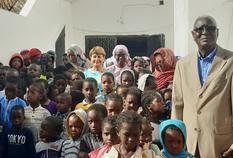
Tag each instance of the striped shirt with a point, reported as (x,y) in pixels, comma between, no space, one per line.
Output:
(70,149)
(33,119)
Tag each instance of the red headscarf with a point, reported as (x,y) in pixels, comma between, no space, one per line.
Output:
(165,76)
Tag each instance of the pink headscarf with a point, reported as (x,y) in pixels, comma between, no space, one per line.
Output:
(165,77)
(125,50)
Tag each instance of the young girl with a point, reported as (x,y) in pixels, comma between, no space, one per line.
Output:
(76,127)
(173,139)
(129,130)
(107,81)
(109,135)
(51,143)
(114,104)
(147,82)
(127,78)
(132,99)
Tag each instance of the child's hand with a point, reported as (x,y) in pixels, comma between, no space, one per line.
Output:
(147,146)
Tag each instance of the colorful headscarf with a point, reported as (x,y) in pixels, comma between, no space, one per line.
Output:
(165,77)
(83,117)
(179,124)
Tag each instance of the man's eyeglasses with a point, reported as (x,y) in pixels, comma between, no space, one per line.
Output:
(206,28)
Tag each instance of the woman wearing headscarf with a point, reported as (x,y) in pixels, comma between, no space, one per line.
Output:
(171,132)
(163,62)
(77,58)
(121,55)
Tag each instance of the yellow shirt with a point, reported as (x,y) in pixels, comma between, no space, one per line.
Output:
(83,105)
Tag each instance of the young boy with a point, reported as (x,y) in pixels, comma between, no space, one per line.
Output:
(90,89)
(63,108)
(35,113)
(61,82)
(132,100)
(93,139)
(114,104)
(107,82)
(18,141)
(10,100)
(16,61)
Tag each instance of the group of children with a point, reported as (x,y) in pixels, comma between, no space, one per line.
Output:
(67,116)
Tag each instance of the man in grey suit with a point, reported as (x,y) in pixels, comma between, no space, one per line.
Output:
(203,93)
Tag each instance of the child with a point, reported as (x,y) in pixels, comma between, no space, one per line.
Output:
(147,82)
(173,139)
(90,89)
(132,99)
(77,85)
(77,75)
(114,104)
(17,140)
(63,108)
(167,95)
(77,97)
(127,78)
(93,139)
(122,90)
(107,82)
(10,100)
(16,61)
(50,145)
(76,128)
(110,138)
(52,92)
(61,82)
(129,130)
(35,113)
(146,137)
(137,64)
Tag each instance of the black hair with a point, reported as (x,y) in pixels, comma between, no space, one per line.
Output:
(12,80)
(140,59)
(107,73)
(130,73)
(134,91)
(99,108)
(130,117)
(59,77)
(167,90)
(149,81)
(147,98)
(79,73)
(55,123)
(61,69)
(78,84)
(44,82)
(114,96)
(91,80)
(50,90)
(39,86)
(77,97)
(172,128)
(64,94)
(110,120)
(122,86)
(17,108)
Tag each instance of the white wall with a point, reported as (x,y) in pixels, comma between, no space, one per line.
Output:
(122,17)
(39,29)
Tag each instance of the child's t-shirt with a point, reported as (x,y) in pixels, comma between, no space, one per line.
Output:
(101,98)
(96,75)
(63,117)
(90,142)
(83,105)
(18,143)
(70,148)
(33,119)
(51,107)
(50,150)
(6,107)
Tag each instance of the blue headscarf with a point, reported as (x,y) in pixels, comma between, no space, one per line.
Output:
(179,124)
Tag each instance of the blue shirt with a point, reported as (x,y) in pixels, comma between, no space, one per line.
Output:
(204,65)
(96,75)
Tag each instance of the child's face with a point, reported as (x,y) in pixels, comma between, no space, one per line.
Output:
(156,106)
(94,119)
(63,104)
(46,132)
(138,66)
(109,134)
(10,91)
(75,77)
(173,141)
(150,84)
(2,75)
(131,102)
(107,83)
(75,126)
(16,63)
(17,118)
(127,80)
(113,107)
(33,95)
(89,91)
(61,85)
(34,71)
(129,135)
(146,134)
(168,96)
(97,60)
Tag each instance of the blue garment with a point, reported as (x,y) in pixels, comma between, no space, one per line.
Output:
(204,65)
(179,124)
(101,98)
(96,75)
(6,106)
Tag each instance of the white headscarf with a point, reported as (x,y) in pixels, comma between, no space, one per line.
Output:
(142,81)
